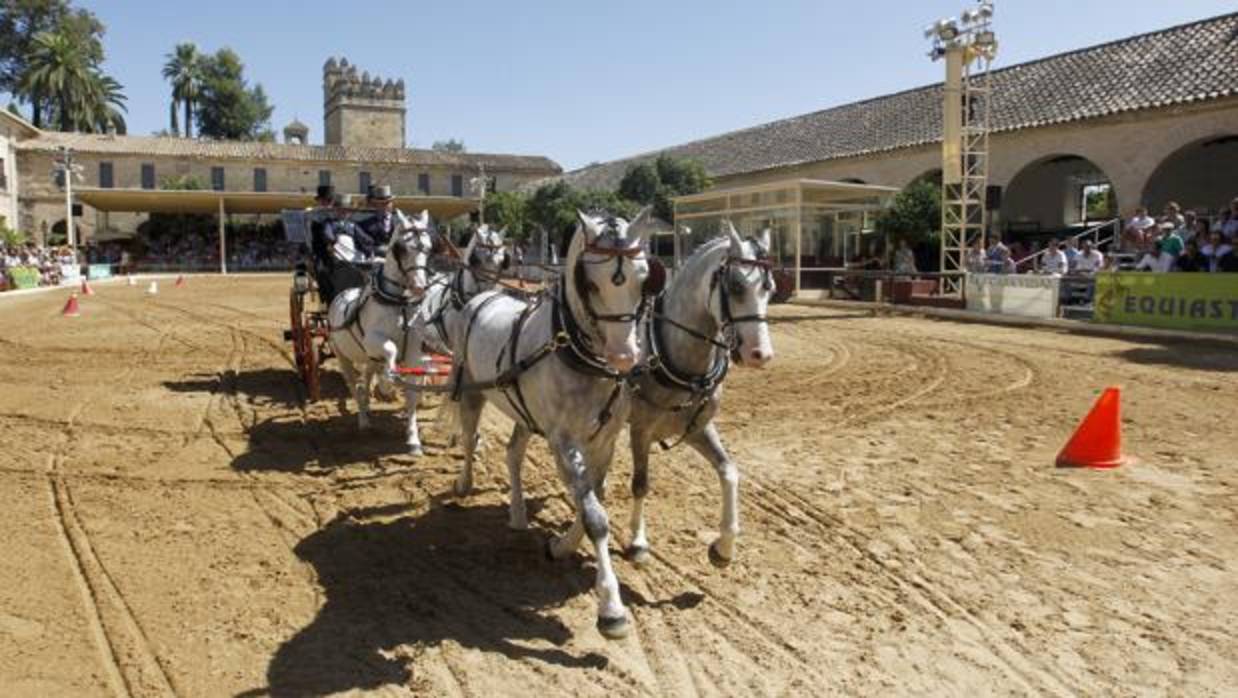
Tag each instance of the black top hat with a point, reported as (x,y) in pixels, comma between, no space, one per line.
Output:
(380,192)
(325,191)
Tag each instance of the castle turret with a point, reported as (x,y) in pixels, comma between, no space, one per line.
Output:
(362,109)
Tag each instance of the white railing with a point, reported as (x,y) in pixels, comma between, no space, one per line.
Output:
(1113,225)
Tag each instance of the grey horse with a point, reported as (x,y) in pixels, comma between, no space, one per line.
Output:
(556,365)
(714,307)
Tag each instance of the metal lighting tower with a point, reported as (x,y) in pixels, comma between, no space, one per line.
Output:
(968,46)
(479,185)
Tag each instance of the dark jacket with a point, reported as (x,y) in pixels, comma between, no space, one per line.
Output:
(1195,263)
(1228,262)
(379,232)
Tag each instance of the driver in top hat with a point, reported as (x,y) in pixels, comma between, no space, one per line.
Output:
(382,225)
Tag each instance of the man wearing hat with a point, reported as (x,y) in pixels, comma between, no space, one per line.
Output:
(382,225)
(332,223)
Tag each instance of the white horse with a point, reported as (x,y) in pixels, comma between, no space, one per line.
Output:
(556,366)
(485,258)
(367,325)
(714,306)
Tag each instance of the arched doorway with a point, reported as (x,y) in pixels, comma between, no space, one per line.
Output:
(1202,176)
(1055,195)
(58,235)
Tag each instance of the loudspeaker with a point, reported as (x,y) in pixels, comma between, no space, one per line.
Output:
(993,197)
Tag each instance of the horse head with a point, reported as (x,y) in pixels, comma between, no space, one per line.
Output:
(610,280)
(746,283)
(486,251)
(409,255)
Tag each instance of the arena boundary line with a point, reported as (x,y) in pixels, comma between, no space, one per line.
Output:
(153,276)
(1073,326)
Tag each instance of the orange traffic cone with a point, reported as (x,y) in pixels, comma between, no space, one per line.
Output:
(180,280)
(70,308)
(86,289)
(1097,443)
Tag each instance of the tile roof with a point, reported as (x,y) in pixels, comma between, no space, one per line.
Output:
(1187,63)
(252,150)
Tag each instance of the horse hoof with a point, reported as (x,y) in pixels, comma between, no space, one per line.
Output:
(639,555)
(518,524)
(461,489)
(715,557)
(415,450)
(614,628)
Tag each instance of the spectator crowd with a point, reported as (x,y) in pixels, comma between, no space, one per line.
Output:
(1176,241)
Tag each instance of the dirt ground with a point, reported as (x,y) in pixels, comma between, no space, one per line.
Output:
(177,521)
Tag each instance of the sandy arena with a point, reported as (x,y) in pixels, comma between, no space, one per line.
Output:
(176,522)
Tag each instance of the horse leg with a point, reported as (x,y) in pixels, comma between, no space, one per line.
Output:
(470,415)
(518,518)
(591,517)
(350,380)
(361,390)
(708,444)
(638,549)
(413,437)
(386,377)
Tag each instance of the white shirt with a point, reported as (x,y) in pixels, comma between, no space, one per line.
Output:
(1055,262)
(1090,262)
(1141,223)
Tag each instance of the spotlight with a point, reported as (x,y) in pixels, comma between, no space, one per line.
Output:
(948,29)
(986,9)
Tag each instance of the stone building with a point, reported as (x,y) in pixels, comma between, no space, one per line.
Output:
(364,126)
(12,129)
(1147,119)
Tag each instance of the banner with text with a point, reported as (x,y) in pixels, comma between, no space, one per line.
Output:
(1180,300)
(1013,294)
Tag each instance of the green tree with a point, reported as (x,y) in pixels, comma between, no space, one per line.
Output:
(553,207)
(640,183)
(227,108)
(62,77)
(183,69)
(509,210)
(450,145)
(658,182)
(914,213)
(10,237)
(21,21)
(182,183)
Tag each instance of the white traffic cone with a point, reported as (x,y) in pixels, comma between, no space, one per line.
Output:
(132,281)
(153,289)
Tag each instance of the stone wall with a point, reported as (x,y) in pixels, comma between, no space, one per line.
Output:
(8,179)
(42,202)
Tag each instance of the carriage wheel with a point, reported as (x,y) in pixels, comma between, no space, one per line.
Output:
(311,368)
(300,335)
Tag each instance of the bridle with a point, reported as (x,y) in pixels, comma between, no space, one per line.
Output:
(650,289)
(726,287)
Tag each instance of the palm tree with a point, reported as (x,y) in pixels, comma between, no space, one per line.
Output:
(184,70)
(63,79)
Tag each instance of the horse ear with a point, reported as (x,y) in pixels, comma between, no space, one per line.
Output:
(737,242)
(590,225)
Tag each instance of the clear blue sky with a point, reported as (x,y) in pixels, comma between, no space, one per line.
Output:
(585,80)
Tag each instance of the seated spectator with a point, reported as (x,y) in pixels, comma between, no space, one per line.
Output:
(975,259)
(1072,254)
(1054,260)
(904,258)
(1215,250)
(1192,259)
(1170,245)
(1227,261)
(998,252)
(1198,231)
(1090,259)
(1005,262)
(1135,234)
(1228,225)
(1173,216)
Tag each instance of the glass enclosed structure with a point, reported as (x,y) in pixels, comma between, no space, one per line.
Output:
(817,226)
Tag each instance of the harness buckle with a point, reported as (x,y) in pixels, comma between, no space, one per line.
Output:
(561,340)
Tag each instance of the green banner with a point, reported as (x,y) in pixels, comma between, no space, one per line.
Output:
(1180,301)
(23,277)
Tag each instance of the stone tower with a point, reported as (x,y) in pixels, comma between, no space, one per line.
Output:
(361,110)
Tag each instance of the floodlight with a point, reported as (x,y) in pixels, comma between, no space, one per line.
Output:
(970,16)
(949,30)
(986,39)
(986,9)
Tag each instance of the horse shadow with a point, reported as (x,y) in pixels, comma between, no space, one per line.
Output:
(396,586)
(267,386)
(310,444)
